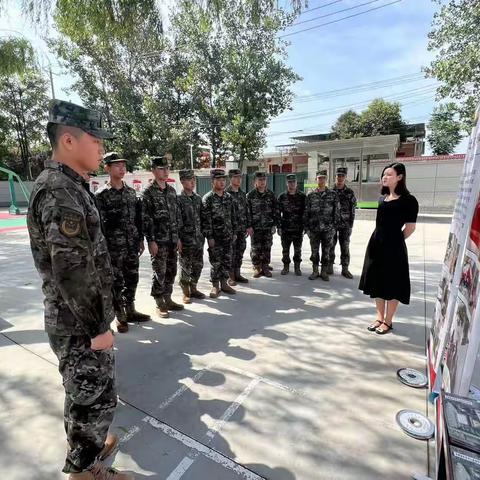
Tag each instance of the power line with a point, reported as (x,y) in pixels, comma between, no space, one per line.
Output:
(339,19)
(397,96)
(354,90)
(322,6)
(331,14)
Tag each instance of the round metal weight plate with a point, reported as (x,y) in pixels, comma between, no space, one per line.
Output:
(412,378)
(415,424)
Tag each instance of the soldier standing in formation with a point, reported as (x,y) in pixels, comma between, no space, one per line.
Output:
(291,206)
(121,214)
(191,237)
(162,222)
(71,254)
(321,216)
(218,223)
(240,201)
(264,218)
(348,202)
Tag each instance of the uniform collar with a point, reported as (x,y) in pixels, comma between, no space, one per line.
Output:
(186,194)
(66,170)
(323,191)
(108,186)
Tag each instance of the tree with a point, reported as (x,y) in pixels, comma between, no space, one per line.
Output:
(445,129)
(23,103)
(347,125)
(379,118)
(382,118)
(237,77)
(455,37)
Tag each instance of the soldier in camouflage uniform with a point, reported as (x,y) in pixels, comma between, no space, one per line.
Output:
(348,202)
(71,254)
(291,206)
(264,219)
(161,225)
(218,224)
(240,244)
(191,237)
(121,214)
(321,216)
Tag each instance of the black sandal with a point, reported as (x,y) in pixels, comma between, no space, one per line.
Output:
(383,332)
(373,327)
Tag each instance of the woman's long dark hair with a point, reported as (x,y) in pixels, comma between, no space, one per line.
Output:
(401,188)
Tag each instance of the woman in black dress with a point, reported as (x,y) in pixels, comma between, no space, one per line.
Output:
(385,274)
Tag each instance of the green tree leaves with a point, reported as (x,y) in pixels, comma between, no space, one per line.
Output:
(445,130)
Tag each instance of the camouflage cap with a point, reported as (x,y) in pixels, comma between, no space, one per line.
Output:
(342,170)
(65,113)
(217,173)
(322,173)
(186,174)
(112,157)
(159,161)
(291,177)
(234,172)
(260,175)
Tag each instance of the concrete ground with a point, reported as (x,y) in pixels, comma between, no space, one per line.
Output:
(281,381)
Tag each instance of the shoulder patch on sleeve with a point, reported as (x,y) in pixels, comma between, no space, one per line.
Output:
(70,223)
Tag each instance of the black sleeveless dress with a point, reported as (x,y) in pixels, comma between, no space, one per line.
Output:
(385,271)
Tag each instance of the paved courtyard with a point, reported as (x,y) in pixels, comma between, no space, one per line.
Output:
(281,381)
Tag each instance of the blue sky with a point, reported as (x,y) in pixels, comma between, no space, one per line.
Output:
(381,44)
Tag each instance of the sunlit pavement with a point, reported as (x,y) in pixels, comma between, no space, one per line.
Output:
(281,381)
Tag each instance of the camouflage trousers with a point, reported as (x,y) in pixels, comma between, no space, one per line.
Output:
(220,257)
(323,239)
(343,237)
(125,276)
(164,266)
(238,249)
(261,247)
(287,239)
(90,398)
(191,264)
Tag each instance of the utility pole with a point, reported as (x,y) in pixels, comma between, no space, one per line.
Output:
(51,80)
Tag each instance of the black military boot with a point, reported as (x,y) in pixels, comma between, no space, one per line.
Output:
(121,320)
(346,273)
(239,278)
(162,309)
(314,273)
(225,287)
(323,274)
(285,269)
(298,272)
(186,294)
(133,315)
(330,269)
(267,271)
(194,293)
(231,278)
(171,305)
(215,291)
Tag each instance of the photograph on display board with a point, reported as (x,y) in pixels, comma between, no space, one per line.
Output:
(457,345)
(468,287)
(473,243)
(464,465)
(453,249)
(440,311)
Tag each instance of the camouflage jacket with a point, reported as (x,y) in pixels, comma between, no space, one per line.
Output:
(121,214)
(241,210)
(161,215)
(70,253)
(263,210)
(191,212)
(322,211)
(218,216)
(348,202)
(291,207)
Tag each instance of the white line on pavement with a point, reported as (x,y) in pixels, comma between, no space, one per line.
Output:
(187,462)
